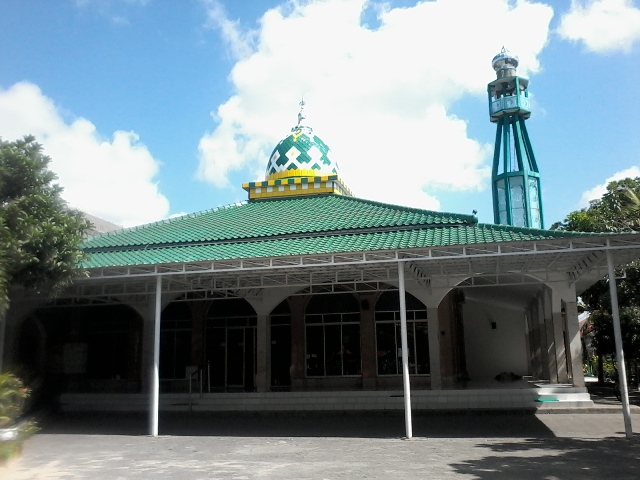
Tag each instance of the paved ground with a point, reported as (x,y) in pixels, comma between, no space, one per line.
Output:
(350,446)
(340,446)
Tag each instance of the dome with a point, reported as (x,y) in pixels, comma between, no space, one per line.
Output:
(301,154)
(505,64)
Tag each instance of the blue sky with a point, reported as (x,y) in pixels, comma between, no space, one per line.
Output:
(152,108)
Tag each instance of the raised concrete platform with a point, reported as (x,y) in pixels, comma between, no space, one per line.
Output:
(538,398)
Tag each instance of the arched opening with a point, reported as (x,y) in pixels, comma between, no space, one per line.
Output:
(93,348)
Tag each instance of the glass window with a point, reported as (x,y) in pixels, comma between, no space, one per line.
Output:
(333,336)
(502,202)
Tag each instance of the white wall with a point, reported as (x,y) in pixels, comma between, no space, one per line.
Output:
(493,351)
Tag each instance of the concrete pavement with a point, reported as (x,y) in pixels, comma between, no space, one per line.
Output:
(340,446)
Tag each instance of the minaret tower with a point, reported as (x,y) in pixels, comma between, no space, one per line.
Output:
(515,178)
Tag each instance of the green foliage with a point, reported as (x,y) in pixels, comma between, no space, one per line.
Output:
(40,236)
(617,211)
(13,394)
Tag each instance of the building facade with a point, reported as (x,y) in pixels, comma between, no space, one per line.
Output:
(304,293)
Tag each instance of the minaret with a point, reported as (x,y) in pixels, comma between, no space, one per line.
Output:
(515,178)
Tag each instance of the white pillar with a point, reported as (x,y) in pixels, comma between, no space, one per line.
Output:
(575,343)
(544,342)
(622,372)
(155,371)
(558,332)
(405,351)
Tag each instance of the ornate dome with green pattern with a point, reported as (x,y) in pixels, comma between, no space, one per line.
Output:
(301,154)
(300,165)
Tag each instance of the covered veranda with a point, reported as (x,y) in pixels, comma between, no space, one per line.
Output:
(539,279)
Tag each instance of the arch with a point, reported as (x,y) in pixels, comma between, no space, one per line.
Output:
(91,348)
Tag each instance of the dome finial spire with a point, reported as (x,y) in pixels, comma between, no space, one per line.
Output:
(301,116)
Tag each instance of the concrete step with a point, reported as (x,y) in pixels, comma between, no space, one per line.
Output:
(499,399)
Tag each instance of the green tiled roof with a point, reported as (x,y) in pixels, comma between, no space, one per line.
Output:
(278,217)
(295,226)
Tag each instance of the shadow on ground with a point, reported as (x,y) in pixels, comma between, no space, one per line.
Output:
(568,459)
(604,394)
(354,425)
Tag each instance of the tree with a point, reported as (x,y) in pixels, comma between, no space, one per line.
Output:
(617,211)
(40,236)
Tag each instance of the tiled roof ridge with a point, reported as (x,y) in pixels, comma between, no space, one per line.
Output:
(394,206)
(557,233)
(301,235)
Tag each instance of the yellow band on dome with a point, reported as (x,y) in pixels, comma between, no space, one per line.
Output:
(293,173)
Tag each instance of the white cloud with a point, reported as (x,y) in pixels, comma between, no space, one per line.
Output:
(104,177)
(603,25)
(239,42)
(380,98)
(596,192)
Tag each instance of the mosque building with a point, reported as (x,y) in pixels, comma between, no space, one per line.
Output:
(305,297)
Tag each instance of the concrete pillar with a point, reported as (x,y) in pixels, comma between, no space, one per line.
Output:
(297,306)
(368,341)
(538,314)
(536,357)
(575,343)
(545,306)
(263,340)
(560,352)
(434,347)
(199,312)
(148,318)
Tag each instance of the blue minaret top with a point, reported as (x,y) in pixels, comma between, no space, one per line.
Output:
(508,93)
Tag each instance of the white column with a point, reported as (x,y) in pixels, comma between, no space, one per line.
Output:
(405,351)
(575,343)
(622,372)
(544,342)
(155,371)
(434,348)
(558,332)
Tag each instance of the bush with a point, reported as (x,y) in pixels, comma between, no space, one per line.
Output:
(13,432)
